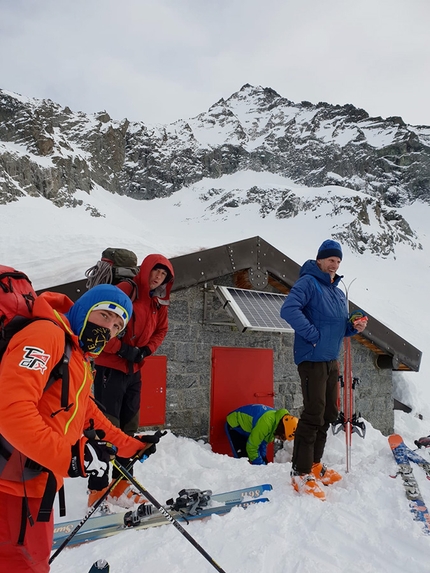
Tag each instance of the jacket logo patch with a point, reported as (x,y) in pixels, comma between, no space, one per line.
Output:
(35,359)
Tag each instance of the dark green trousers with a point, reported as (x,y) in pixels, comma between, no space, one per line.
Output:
(319,382)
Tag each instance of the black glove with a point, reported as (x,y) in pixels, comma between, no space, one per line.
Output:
(144,352)
(133,353)
(91,457)
(152,439)
(129,353)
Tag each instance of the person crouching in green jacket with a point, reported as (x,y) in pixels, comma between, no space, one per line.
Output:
(250,428)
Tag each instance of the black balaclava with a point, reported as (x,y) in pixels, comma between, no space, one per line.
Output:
(94,337)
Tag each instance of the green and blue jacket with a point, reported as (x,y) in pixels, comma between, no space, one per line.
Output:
(259,423)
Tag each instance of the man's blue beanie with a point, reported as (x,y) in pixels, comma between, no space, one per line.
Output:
(329,249)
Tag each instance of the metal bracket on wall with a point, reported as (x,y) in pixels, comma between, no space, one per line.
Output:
(206,291)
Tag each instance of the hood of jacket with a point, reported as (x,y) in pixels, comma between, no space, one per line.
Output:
(54,306)
(142,279)
(311,268)
(78,314)
(279,415)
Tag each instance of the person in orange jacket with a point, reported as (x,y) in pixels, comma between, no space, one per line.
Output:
(117,384)
(42,424)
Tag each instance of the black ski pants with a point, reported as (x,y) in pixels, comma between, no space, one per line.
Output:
(237,442)
(119,393)
(319,382)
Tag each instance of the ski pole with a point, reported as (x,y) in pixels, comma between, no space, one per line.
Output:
(98,503)
(166,514)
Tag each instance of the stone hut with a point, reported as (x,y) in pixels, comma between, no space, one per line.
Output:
(213,360)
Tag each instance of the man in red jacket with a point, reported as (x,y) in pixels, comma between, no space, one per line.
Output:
(117,384)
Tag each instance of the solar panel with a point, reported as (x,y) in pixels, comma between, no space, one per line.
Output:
(254,310)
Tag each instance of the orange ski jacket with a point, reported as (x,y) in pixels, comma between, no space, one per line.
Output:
(31,419)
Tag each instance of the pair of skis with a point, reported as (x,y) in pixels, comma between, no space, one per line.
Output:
(190,505)
(348,419)
(404,456)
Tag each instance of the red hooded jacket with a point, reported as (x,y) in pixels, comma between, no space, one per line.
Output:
(149,323)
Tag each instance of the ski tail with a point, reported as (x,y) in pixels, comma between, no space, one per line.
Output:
(395,441)
(239,495)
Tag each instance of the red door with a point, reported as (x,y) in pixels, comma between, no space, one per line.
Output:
(153,396)
(240,376)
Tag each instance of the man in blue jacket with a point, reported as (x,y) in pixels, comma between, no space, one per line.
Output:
(250,428)
(317,311)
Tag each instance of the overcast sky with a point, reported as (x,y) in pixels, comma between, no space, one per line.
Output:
(157,61)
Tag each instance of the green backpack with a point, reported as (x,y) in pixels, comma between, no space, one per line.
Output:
(115,266)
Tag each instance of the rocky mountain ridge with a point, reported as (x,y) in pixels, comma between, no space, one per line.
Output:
(50,151)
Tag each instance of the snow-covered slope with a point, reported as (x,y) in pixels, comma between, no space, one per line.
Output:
(363,526)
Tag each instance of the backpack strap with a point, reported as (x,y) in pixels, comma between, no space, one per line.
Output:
(61,370)
(131,290)
(25,514)
(62,501)
(47,502)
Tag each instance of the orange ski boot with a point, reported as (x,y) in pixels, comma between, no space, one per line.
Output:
(325,475)
(306,484)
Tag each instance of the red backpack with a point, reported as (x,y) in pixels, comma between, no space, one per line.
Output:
(17,297)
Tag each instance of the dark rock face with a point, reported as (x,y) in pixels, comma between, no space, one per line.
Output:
(49,151)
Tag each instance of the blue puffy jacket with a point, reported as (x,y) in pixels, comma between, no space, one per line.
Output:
(316,308)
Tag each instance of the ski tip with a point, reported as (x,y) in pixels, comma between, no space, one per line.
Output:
(395,440)
(100,566)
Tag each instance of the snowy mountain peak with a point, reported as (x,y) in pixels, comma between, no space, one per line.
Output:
(359,170)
